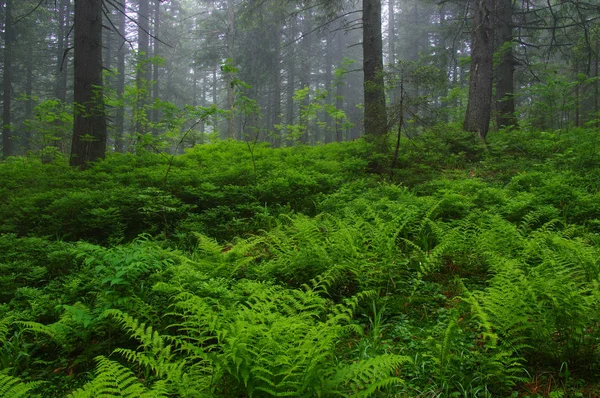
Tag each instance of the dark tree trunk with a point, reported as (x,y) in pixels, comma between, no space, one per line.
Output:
(215,99)
(7,141)
(305,67)
(375,118)
(120,114)
(29,99)
(155,66)
(89,131)
(505,87)
(291,73)
(143,67)
(597,84)
(229,75)
(477,117)
(64,10)
(339,83)
(328,130)
(277,89)
(391,32)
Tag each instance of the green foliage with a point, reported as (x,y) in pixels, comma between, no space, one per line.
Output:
(13,387)
(113,379)
(312,109)
(50,128)
(292,272)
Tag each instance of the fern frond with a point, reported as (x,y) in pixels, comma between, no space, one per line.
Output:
(366,377)
(13,387)
(114,379)
(4,327)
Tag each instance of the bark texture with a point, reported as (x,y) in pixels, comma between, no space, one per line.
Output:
(477,117)
(505,86)
(375,118)
(89,131)
(7,141)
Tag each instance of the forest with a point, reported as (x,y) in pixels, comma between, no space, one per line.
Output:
(318,198)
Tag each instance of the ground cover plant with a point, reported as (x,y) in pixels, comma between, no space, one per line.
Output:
(225,272)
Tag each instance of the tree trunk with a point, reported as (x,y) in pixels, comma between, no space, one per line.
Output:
(63,44)
(391,33)
(597,84)
(277,89)
(305,67)
(375,118)
(215,98)
(291,73)
(29,99)
(477,117)
(328,129)
(229,75)
(505,87)
(143,67)
(89,130)
(7,141)
(120,114)
(155,66)
(340,84)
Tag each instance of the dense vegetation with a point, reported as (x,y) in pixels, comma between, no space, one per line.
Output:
(238,271)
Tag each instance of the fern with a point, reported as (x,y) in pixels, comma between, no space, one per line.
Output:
(114,379)
(366,377)
(4,328)
(13,387)
(156,355)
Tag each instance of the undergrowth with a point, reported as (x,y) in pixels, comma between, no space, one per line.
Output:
(296,272)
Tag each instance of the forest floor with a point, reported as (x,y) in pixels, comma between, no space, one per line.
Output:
(239,270)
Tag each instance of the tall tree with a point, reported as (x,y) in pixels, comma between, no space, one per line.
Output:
(229,74)
(89,130)
(477,117)
(156,64)
(375,118)
(143,66)
(120,114)
(7,141)
(505,87)
(63,10)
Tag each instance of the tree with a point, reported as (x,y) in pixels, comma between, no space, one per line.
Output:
(229,74)
(143,66)
(120,114)
(89,130)
(477,117)
(375,118)
(505,87)
(7,142)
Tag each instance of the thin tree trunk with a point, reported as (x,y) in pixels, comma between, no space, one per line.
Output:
(7,141)
(89,131)
(29,99)
(63,44)
(328,129)
(597,84)
(143,67)
(375,118)
(291,74)
(215,83)
(229,75)
(477,117)
(340,84)
(203,103)
(155,65)
(391,32)
(305,66)
(277,89)
(505,87)
(120,114)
